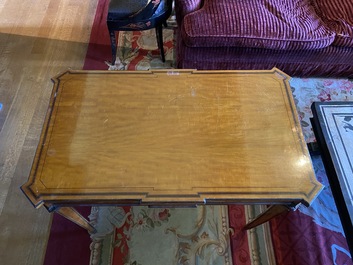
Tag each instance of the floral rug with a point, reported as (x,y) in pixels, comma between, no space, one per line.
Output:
(165,235)
(139,50)
(308,90)
(202,235)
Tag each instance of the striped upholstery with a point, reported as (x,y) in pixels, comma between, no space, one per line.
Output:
(271,24)
(338,15)
(332,61)
(184,7)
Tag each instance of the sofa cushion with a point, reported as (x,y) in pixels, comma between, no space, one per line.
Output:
(338,16)
(272,24)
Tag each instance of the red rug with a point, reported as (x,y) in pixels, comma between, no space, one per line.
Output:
(99,49)
(68,243)
(298,238)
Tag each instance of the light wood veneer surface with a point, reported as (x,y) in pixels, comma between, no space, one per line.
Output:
(181,137)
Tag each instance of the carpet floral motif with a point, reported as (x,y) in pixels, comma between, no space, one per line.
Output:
(306,91)
(139,51)
(166,236)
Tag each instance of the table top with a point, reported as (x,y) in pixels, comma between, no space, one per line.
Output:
(335,121)
(171,137)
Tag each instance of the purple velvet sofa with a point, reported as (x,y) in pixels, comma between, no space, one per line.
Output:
(300,37)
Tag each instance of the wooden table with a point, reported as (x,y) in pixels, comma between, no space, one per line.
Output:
(171,138)
(333,126)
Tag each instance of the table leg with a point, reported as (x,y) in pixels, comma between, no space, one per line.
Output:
(271,212)
(74,216)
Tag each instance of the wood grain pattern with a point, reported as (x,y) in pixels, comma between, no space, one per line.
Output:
(183,137)
(38,40)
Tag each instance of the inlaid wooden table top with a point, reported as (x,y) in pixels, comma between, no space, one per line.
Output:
(171,137)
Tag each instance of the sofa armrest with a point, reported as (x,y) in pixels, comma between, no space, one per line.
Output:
(184,7)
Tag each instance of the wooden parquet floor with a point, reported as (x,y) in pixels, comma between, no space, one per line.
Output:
(38,40)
